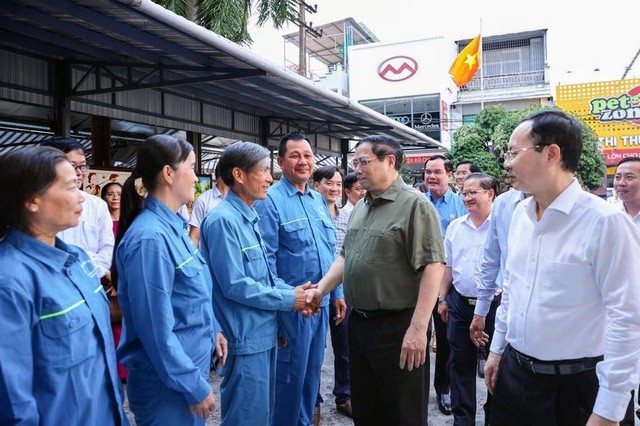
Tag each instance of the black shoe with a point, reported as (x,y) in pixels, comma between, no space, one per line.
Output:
(638,413)
(444,403)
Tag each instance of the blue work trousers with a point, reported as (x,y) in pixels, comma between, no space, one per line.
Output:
(248,389)
(298,368)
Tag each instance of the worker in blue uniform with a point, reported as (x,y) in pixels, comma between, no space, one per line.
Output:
(300,241)
(57,361)
(246,295)
(164,288)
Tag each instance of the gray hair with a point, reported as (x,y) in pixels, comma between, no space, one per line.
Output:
(243,155)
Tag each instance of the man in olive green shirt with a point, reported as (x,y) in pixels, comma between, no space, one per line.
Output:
(391,264)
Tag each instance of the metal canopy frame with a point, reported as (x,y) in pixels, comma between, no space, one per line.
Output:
(115,47)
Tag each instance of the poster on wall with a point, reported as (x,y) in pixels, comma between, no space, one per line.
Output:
(96,179)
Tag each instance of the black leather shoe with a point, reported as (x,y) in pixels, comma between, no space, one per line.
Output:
(444,403)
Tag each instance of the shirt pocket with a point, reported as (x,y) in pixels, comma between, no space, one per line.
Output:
(564,283)
(190,292)
(67,330)
(296,232)
(382,247)
(252,257)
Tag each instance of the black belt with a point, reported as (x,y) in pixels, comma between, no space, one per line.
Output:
(562,368)
(378,313)
(474,300)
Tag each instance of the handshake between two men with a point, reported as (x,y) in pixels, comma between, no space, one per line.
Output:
(309,300)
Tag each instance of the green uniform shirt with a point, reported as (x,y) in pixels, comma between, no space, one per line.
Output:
(389,241)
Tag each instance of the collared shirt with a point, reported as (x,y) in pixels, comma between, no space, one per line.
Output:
(348,207)
(635,219)
(489,275)
(204,204)
(57,361)
(164,289)
(298,234)
(389,241)
(246,294)
(340,225)
(571,291)
(463,244)
(94,233)
(449,207)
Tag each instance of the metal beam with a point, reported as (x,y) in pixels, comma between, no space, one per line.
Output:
(215,74)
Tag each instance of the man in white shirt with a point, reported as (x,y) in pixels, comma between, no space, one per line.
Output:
(353,190)
(626,183)
(463,244)
(203,205)
(94,232)
(567,332)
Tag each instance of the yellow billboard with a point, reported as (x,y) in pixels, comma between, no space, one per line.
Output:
(611,109)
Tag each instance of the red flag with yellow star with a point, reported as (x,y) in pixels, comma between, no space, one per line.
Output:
(467,63)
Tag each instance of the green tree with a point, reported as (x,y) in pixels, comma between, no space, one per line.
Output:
(485,141)
(230,18)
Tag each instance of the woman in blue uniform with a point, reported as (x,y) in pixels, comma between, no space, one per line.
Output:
(57,361)
(164,288)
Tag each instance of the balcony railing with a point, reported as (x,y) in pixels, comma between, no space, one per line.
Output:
(505,80)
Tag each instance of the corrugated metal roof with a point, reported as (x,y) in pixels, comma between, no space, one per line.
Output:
(138,46)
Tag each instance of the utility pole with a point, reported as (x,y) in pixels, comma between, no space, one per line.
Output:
(302,35)
(628,68)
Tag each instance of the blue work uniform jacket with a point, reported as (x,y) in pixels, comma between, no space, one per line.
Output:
(57,360)
(298,234)
(246,295)
(164,289)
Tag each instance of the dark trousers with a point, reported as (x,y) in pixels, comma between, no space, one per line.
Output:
(340,344)
(441,375)
(524,398)
(464,359)
(382,393)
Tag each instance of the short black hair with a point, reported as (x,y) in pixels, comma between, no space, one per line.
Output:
(63,143)
(326,172)
(291,136)
(382,146)
(349,180)
(448,164)
(552,126)
(629,160)
(473,167)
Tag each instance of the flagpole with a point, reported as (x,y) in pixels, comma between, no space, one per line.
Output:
(481,67)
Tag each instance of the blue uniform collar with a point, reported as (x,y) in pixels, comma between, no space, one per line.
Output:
(446,198)
(292,190)
(57,257)
(173,219)
(247,212)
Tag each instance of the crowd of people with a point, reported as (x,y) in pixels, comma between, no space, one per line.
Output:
(530,289)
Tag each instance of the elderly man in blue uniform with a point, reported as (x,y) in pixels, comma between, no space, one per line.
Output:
(300,241)
(437,174)
(567,332)
(246,296)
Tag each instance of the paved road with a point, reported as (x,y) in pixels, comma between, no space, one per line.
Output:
(330,417)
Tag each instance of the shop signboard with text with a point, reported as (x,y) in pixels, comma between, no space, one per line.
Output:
(612,110)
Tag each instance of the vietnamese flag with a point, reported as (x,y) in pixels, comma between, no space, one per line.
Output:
(467,63)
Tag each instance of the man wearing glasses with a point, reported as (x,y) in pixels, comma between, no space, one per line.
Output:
(464,169)
(567,332)
(392,262)
(463,245)
(94,232)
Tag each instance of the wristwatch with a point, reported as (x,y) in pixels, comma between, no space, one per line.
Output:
(442,298)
